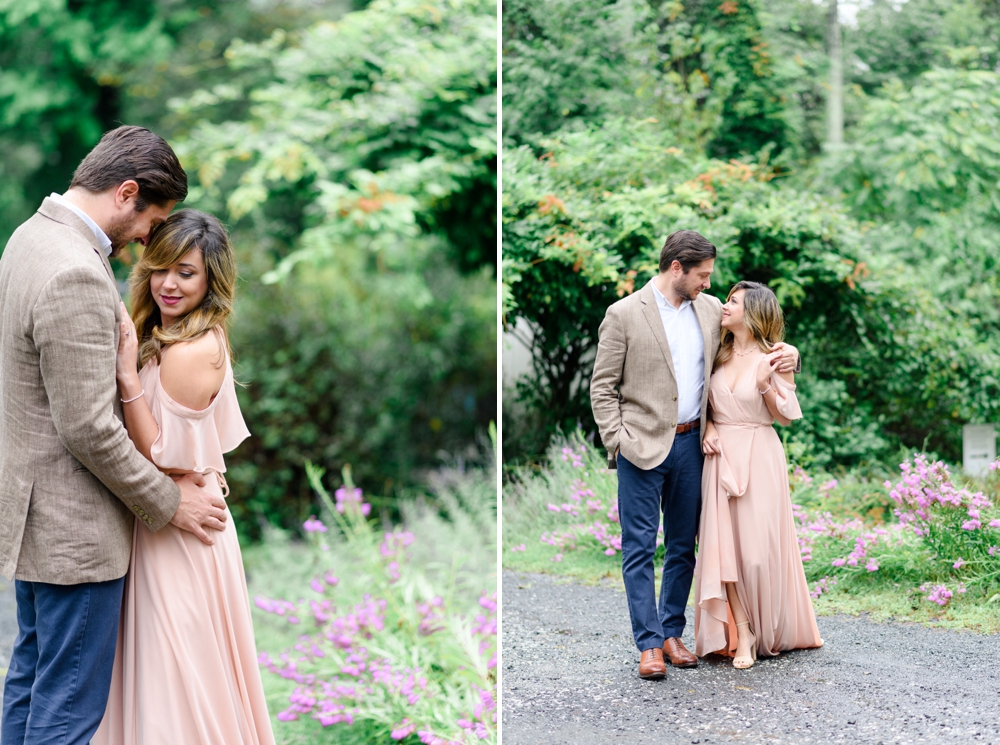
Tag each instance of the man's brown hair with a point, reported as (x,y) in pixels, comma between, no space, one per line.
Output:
(133,154)
(687,247)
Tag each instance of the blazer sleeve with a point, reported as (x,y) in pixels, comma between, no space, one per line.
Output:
(607,375)
(74,328)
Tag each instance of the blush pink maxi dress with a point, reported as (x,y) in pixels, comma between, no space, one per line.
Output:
(747,532)
(185,667)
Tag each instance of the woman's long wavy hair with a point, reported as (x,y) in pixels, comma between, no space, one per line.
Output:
(761,315)
(169,242)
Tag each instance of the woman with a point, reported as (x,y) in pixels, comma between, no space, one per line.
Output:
(186,665)
(749,577)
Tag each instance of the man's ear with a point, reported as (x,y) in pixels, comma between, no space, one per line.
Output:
(127,192)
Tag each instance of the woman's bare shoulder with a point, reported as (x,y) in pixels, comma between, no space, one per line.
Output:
(192,372)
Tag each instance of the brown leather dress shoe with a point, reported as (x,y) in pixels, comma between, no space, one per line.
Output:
(651,664)
(677,653)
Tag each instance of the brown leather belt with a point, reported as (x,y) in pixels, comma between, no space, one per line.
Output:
(688,426)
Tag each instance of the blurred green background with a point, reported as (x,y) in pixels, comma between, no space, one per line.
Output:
(624,121)
(351,149)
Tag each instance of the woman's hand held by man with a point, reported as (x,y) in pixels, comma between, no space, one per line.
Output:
(710,445)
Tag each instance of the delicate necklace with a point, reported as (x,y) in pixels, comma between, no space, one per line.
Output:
(744,354)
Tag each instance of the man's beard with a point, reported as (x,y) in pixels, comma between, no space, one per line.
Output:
(686,293)
(120,232)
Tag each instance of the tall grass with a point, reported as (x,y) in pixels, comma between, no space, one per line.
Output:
(378,633)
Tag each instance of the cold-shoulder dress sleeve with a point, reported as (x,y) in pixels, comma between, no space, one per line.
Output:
(191,439)
(785,398)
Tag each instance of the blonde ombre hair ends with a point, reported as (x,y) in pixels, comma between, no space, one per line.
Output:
(761,315)
(169,243)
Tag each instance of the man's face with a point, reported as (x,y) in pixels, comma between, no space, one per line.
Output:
(688,285)
(132,226)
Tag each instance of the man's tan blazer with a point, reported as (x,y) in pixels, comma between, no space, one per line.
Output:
(70,478)
(633,391)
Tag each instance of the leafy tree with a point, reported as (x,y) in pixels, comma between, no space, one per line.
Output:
(895,320)
(60,70)
(924,150)
(922,170)
(701,68)
(584,224)
(356,163)
(901,41)
(71,71)
(566,61)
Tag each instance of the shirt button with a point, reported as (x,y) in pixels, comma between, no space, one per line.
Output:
(674,398)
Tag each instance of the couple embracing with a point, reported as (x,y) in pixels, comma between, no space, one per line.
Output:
(113,519)
(685,391)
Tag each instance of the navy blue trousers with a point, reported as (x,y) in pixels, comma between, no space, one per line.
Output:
(57,685)
(672,489)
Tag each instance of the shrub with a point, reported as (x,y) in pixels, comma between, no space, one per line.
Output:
(393,632)
(925,533)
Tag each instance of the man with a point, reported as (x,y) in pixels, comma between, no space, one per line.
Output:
(71,482)
(649,393)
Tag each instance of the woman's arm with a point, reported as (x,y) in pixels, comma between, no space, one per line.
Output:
(766,389)
(139,423)
(191,373)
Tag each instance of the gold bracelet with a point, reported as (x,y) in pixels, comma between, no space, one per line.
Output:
(124,401)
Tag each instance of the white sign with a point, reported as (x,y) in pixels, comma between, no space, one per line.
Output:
(979,448)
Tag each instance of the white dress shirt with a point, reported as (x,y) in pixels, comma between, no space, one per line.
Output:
(687,348)
(94,228)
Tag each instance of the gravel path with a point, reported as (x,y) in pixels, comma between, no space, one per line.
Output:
(569,677)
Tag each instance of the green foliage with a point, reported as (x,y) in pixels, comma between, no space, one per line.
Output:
(340,369)
(71,71)
(900,42)
(921,169)
(376,133)
(417,598)
(356,162)
(60,68)
(568,61)
(583,225)
(927,149)
(702,68)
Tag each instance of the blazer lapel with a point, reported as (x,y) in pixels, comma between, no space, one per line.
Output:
(107,265)
(652,316)
(55,211)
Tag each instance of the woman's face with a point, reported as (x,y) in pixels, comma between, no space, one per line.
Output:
(732,311)
(180,288)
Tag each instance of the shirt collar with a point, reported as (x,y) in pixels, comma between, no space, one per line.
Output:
(102,238)
(662,301)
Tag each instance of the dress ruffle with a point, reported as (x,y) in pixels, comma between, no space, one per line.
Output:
(191,439)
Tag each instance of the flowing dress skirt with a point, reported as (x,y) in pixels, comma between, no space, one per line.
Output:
(186,664)
(747,530)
